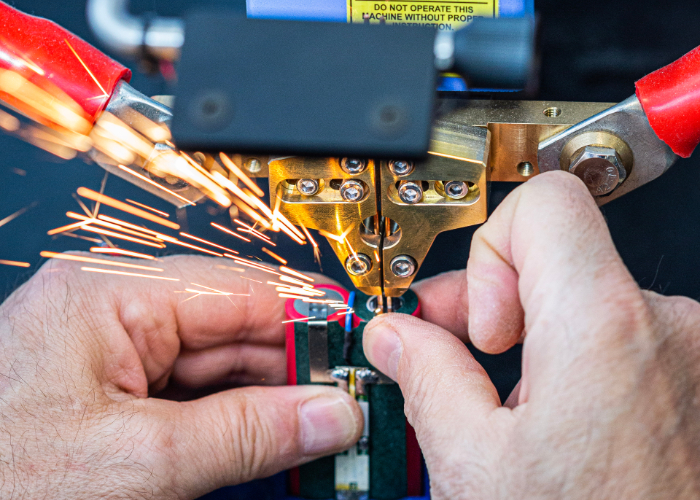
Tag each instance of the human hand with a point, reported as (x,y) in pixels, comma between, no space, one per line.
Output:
(608,405)
(80,352)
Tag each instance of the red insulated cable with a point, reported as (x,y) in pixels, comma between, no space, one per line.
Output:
(671,100)
(52,57)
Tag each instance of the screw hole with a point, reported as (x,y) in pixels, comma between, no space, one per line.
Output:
(552,112)
(526,169)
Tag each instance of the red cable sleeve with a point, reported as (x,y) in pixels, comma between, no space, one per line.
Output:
(50,57)
(671,100)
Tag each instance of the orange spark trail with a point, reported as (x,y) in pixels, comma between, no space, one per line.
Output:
(241,175)
(201,240)
(69,227)
(298,291)
(120,222)
(19,212)
(89,260)
(14,263)
(250,279)
(85,238)
(308,235)
(296,273)
(332,236)
(237,269)
(175,241)
(154,210)
(222,293)
(106,200)
(124,273)
(121,236)
(118,227)
(94,79)
(298,320)
(119,251)
(294,281)
(251,230)
(228,231)
(257,235)
(274,255)
(248,263)
(153,183)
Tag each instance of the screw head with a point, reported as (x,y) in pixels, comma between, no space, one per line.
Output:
(410,192)
(600,168)
(456,190)
(308,187)
(352,191)
(358,265)
(353,166)
(403,266)
(401,167)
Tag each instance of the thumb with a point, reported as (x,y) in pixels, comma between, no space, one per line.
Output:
(450,400)
(244,434)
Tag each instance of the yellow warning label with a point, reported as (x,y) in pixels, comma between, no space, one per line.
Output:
(442,14)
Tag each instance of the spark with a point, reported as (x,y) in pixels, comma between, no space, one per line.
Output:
(219,292)
(120,222)
(88,220)
(119,251)
(332,236)
(82,205)
(241,175)
(124,273)
(251,279)
(237,269)
(300,291)
(345,313)
(293,281)
(9,123)
(92,195)
(18,213)
(80,237)
(317,250)
(175,241)
(154,210)
(257,235)
(102,192)
(298,320)
(94,79)
(251,213)
(228,231)
(320,301)
(254,265)
(120,236)
(296,273)
(69,227)
(352,251)
(153,183)
(14,263)
(19,171)
(89,260)
(201,240)
(251,229)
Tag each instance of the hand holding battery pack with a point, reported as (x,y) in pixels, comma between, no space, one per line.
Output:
(608,403)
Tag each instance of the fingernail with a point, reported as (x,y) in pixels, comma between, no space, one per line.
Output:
(327,424)
(385,350)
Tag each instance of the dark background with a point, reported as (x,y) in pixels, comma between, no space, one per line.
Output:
(591,51)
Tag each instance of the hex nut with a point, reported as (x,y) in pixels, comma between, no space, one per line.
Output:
(600,168)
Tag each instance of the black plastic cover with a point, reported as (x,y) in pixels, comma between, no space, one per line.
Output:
(304,88)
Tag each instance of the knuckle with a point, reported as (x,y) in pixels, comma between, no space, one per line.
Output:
(251,440)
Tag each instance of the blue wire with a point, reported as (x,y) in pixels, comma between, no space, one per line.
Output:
(348,317)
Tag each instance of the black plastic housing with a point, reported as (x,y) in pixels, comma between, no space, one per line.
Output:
(304,88)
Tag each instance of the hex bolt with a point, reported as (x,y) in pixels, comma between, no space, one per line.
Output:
(600,168)
(358,265)
(400,167)
(352,191)
(308,187)
(456,190)
(403,266)
(353,166)
(410,192)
